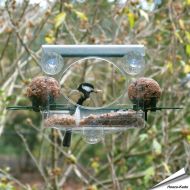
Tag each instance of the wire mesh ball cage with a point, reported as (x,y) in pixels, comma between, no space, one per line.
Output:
(93,83)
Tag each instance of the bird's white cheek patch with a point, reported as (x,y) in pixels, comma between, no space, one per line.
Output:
(87,88)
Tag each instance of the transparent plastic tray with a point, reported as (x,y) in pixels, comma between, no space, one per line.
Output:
(109,120)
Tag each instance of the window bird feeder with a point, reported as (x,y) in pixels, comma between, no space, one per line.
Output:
(93,90)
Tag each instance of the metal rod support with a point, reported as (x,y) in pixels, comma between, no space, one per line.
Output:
(93,50)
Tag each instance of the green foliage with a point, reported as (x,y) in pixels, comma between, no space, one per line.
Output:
(187,49)
(6,187)
(156,147)
(59,19)
(149,173)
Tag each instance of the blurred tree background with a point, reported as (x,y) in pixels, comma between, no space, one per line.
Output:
(135,160)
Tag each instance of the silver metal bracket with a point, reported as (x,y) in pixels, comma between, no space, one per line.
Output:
(93,50)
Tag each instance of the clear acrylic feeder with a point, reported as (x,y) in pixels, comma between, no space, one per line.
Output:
(94,80)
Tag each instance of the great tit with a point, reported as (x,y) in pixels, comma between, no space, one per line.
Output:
(83,94)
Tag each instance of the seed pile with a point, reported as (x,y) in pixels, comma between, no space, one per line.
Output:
(113,119)
(128,118)
(59,120)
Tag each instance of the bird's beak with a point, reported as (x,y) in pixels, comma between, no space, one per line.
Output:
(97,91)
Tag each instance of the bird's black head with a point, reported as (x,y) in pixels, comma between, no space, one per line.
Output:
(86,88)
